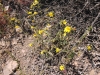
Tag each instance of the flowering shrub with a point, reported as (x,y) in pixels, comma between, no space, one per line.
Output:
(56,35)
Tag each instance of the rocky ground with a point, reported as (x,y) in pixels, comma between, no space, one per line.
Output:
(18,58)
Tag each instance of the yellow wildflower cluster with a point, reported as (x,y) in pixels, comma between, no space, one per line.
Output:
(63,22)
(57,50)
(32,14)
(17,26)
(89,47)
(67,29)
(32,27)
(35,35)
(64,34)
(35,13)
(14,19)
(35,2)
(29,13)
(62,67)
(51,14)
(43,52)
(31,44)
(40,32)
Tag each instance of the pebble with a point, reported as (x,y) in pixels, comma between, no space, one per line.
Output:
(10,66)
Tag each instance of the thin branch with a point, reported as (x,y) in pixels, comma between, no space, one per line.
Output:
(86,4)
(95,6)
(88,30)
(95,19)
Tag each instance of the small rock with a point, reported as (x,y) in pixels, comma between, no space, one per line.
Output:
(7,43)
(2,43)
(92,72)
(19,30)
(14,41)
(10,67)
(98,73)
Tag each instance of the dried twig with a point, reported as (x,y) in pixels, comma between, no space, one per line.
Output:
(87,2)
(95,6)
(89,28)
(95,19)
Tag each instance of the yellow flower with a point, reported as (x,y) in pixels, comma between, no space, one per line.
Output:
(18,29)
(57,50)
(35,13)
(64,34)
(43,52)
(63,22)
(89,47)
(31,44)
(62,67)
(29,13)
(32,27)
(67,29)
(31,6)
(35,35)
(51,14)
(17,26)
(35,2)
(41,31)
(13,19)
